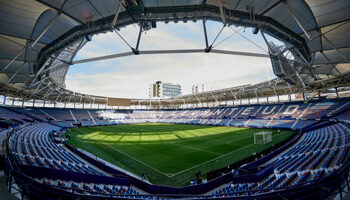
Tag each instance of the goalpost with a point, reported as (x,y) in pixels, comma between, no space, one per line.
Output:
(262,137)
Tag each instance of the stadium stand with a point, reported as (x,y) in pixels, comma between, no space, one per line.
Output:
(320,152)
(317,153)
(59,114)
(307,42)
(6,114)
(32,146)
(298,115)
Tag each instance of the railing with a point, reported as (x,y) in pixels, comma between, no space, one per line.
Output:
(318,189)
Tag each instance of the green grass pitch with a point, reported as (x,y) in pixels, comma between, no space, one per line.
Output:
(170,154)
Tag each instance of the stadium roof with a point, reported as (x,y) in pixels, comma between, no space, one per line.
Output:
(39,39)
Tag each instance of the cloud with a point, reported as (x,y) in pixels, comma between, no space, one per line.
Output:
(131,76)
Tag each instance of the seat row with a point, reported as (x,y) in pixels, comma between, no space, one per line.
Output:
(32,145)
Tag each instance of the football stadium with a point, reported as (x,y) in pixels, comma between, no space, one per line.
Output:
(174,99)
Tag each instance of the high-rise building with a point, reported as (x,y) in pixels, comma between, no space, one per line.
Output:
(161,90)
(194,89)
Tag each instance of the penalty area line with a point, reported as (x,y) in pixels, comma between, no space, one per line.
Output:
(197,149)
(212,160)
(136,160)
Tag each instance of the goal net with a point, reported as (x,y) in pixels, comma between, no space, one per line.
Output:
(262,137)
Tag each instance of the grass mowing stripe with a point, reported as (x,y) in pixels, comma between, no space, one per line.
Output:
(115,149)
(217,158)
(161,150)
(195,149)
(212,160)
(238,140)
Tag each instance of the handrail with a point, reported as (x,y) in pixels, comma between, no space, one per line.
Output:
(335,179)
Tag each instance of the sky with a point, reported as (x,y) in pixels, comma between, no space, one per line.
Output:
(130,77)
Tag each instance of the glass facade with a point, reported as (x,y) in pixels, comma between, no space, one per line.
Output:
(170,90)
(161,90)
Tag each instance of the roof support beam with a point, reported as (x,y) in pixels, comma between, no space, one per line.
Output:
(267,43)
(32,44)
(47,69)
(136,51)
(116,14)
(297,19)
(70,97)
(176,51)
(240,53)
(234,96)
(321,34)
(48,93)
(222,11)
(334,47)
(58,96)
(13,76)
(270,8)
(42,70)
(103,57)
(197,99)
(126,42)
(172,51)
(217,36)
(312,71)
(58,13)
(205,35)
(183,100)
(274,90)
(214,97)
(55,8)
(15,58)
(130,4)
(301,80)
(330,62)
(42,80)
(47,63)
(36,90)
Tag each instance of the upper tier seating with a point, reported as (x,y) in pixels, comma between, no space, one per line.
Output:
(81,115)
(297,116)
(344,115)
(38,112)
(10,115)
(59,114)
(63,124)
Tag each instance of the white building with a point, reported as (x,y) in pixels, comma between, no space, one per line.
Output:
(194,89)
(161,90)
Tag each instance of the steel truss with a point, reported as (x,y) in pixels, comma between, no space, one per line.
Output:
(44,85)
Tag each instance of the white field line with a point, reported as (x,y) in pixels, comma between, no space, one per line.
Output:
(198,149)
(237,140)
(136,159)
(172,175)
(196,138)
(212,160)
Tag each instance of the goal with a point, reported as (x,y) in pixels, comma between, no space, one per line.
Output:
(262,137)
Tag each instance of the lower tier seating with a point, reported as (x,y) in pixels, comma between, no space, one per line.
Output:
(32,145)
(318,153)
